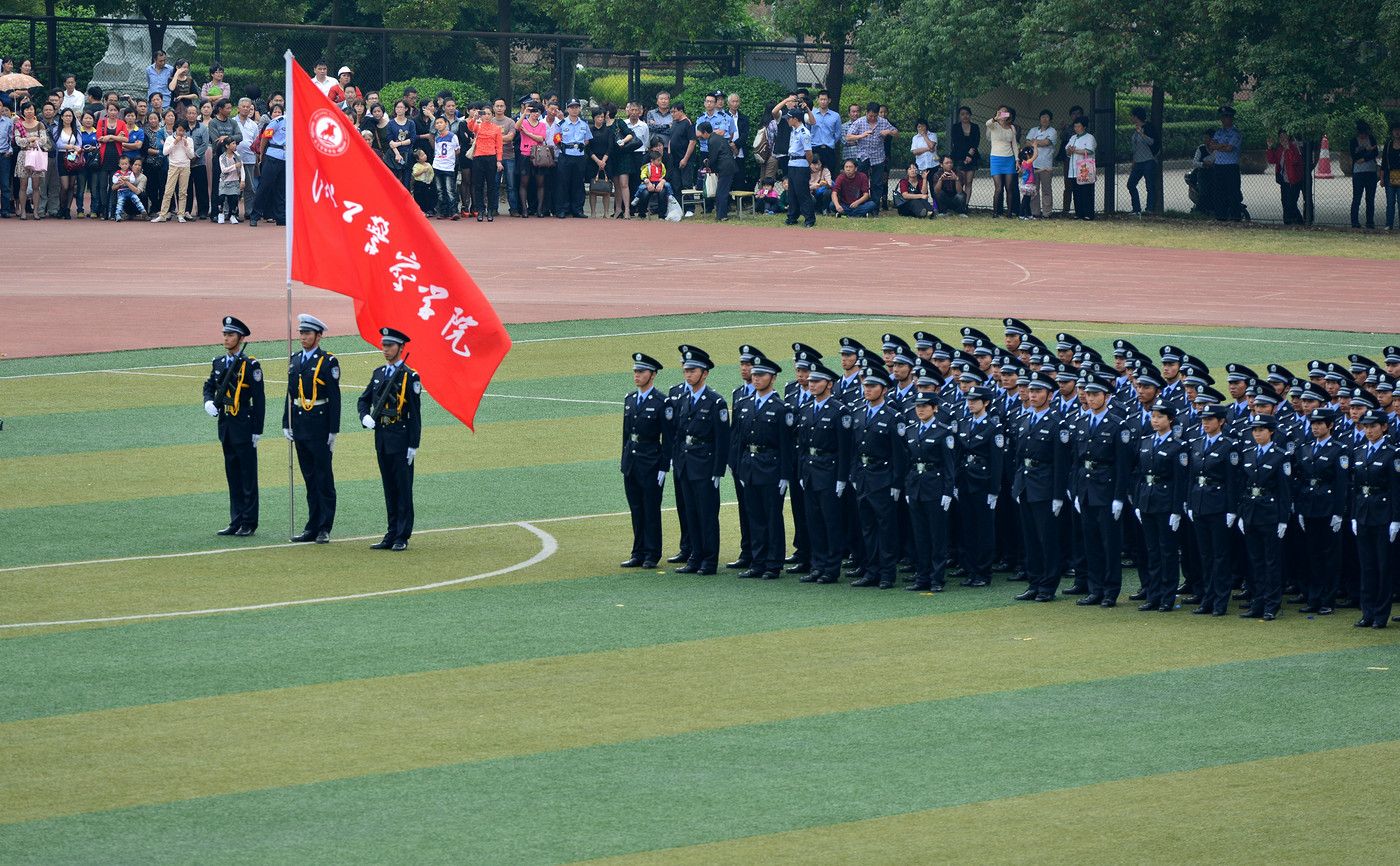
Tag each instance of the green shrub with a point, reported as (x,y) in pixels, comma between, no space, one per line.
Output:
(613,88)
(754,93)
(428,89)
(1179,140)
(80,46)
(1341,127)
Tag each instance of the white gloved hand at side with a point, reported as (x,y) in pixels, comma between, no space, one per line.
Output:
(330,440)
(1117,508)
(1137,512)
(412,452)
(1336,523)
(715,479)
(894,493)
(992,501)
(256,437)
(1174,522)
(1055,506)
(840,487)
(946,502)
(1076,505)
(1301,525)
(1229,521)
(1190,515)
(1283,529)
(287,433)
(661,479)
(211,408)
(367,422)
(1394,530)
(782,486)
(1239,524)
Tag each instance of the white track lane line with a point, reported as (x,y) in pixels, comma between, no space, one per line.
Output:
(548,546)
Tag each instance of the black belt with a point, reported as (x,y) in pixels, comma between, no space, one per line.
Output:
(1152,480)
(760,449)
(696,440)
(271,146)
(1260,493)
(972,458)
(1203,481)
(1094,464)
(817,452)
(925,467)
(637,438)
(872,464)
(1031,462)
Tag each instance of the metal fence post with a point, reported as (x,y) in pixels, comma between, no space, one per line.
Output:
(1104,122)
(1307,183)
(383,58)
(218,44)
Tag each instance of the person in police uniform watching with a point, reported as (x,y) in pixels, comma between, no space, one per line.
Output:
(763,435)
(677,444)
(736,399)
(928,490)
(981,446)
(391,407)
(1266,506)
(233,394)
(1040,486)
(1321,476)
(878,467)
(646,437)
(799,171)
(1159,502)
(1105,447)
(1212,482)
(311,420)
(702,425)
(797,394)
(1375,516)
(823,440)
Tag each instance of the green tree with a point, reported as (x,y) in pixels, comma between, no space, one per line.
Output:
(959,47)
(832,21)
(640,25)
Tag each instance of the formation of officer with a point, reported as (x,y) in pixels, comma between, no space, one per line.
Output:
(233,395)
(311,421)
(1046,460)
(391,406)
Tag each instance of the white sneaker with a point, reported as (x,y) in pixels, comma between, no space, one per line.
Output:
(233,219)
(221,219)
(180,218)
(690,213)
(159,219)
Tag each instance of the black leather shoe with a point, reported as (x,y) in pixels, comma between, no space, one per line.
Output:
(1218,612)
(227,530)
(399,546)
(810,577)
(791,559)
(687,569)
(1076,590)
(918,587)
(1312,608)
(958,572)
(1138,596)
(1195,599)
(771,575)
(634,562)
(1201,610)
(1019,577)
(1249,614)
(1241,596)
(253,223)
(1147,606)
(1166,607)
(1362,623)
(1089,599)
(1183,590)
(937,587)
(1380,623)
(1044,597)
(1347,603)
(752,572)
(305,536)
(1028,595)
(382,545)
(865,581)
(738,564)
(1108,602)
(799,568)
(650,563)
(827,578)
(906,569)
(854,572)
(1268,617)
(887,584)
(679,557)
(323,537)
(1297,599)
(1325,611)
(704,572)
(245,531)
(978,583)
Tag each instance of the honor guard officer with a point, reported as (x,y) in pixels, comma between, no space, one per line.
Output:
(702,426)
(1212,481)
(1375,510)
(673,397)
(1361,368)
(1266,505)
(981,447)
(391,406)
(847,388)
(901,374)
(574,135)
(1321,475)
(311,420)
(1015,331)
(1237,379)
(923,346)
(1105,447)
(233,393)
(646,441)
(1041,486)
(823,465)
(928,490)
(763,426)
(971,337)
(877,470)
(745,390)
(1160,499)
(797,394)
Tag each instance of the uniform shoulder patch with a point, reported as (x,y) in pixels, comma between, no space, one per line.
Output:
(724,415)
(846,421)
(670,413)
(1064,436)
(1344,461)
(790,419)
(417,387)
(1397,465)
(1287,468)
(1126,435)
(335,372)
(1234,458)
(951,442)
(1183,458)
(899,428)
(257,374)
(999,440)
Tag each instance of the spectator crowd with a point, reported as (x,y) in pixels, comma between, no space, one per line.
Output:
(186,150)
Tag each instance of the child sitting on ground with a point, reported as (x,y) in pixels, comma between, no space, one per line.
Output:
(654,187)
(125,189)
(766,198)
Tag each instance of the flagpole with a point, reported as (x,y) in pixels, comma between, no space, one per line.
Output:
(289,212)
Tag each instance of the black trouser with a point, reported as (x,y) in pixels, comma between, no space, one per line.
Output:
(314,458)
(1373,555)
(1042,540)
(396,473)
(801,540)
(1190,557)
(270,201)
(745,532)
(1363,185)
(241,470)
(1083,200)
(702,513)
(825,528)
(929,523)
(799,192)
(765,506)
(1145,170)
(854,544)
(978,536)
(1266,560)
(1225,192)
(199,183)
(1103,551)
(1213,538)
(827,155)
(571,179)
(1008,525)
(879,531)
(1320,574)
(486,190)
(1160,566)
(682,511)
(1071,525)
(644,501)
(723,182)
(1288,195)
(155,185)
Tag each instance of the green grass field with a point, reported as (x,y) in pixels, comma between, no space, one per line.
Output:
(503,693)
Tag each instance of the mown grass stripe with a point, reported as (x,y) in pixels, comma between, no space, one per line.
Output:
(1300,809)
(105,760)
(744,781)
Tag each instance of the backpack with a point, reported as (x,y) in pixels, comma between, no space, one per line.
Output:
(762,149)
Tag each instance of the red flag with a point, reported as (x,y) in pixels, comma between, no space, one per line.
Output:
(357,231)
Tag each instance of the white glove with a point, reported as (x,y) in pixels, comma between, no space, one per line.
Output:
(907,500)
(211,408)
(1301,525)
(1394,530)
(1117,508)
(992,500)
(287,433)
(1239,524)
(1137,512)
(412,452)
(1283,529)
(715,479)
(1190,515)
(946,502)
(1229,521)
(1076,505)
(782,486)
(802,483)
(256,437)
(894,493)
(1336,523)
(840,487)
(1055,506)
(955,493)
(330,440)
(738,483)
(661,479)
(367,422)
(1353,526)
(1174,522)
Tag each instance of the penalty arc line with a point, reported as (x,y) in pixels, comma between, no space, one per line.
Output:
(548,546)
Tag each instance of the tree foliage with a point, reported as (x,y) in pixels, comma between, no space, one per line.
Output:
(642,25)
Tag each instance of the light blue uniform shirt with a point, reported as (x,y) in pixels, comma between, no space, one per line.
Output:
(720,123)
(826,128)
(573,135)
(1228,136)
(798,145)
(276,146)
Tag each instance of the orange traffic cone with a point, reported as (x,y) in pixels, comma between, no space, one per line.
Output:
(1324,162)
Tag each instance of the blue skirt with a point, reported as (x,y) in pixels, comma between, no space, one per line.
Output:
(1003,165)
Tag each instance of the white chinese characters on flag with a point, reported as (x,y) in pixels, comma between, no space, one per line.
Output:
(357,231)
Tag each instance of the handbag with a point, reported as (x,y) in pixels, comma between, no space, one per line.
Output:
(35,159)
(600,185)
(1087,172)
(1394,177)
(76,160)
(711,185)
(542,156)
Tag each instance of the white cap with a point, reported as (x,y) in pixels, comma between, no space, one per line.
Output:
(308,322)
(343,70)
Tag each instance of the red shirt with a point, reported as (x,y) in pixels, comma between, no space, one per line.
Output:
(488,137)
(848,189)
(104,129)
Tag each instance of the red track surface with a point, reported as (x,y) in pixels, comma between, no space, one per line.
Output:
(90,287)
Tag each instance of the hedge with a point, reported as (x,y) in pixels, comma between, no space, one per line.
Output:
(428,89)
(613,88)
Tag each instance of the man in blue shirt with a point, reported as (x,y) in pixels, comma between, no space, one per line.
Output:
(825,125)
(1225,144)
(270,201)
(799,172)
(719,121)
(158,76)
(574,135)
